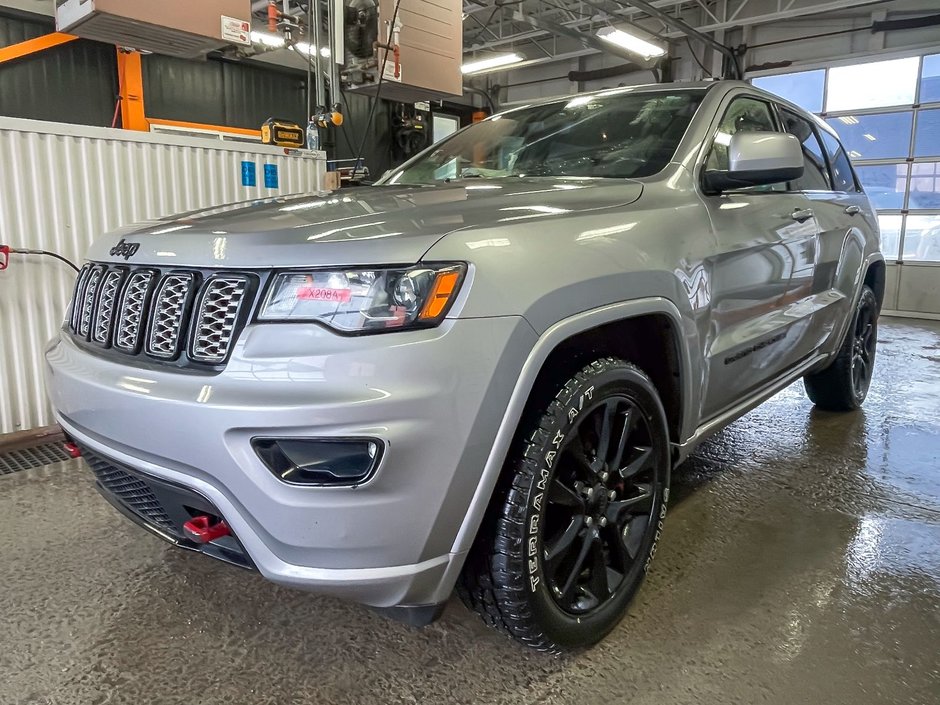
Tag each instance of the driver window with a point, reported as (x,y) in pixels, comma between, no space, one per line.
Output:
(743,115)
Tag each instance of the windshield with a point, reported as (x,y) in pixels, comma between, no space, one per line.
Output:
(627,135)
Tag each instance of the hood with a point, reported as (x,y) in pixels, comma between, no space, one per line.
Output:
(370,225)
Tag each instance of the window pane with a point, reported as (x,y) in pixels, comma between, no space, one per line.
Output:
(873,85)
(890,235)
(804,88)
(930,82)
(884,184)
(884,136)
(842,178)
(925,185)
(922,238)
(815,172)
(928,134)
(743,115)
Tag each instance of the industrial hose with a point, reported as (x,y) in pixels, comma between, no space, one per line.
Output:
(6,251)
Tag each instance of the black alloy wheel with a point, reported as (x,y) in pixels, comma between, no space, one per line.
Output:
(863,347)
(574,524)
(600,505)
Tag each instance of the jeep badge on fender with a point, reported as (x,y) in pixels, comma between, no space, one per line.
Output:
(125,249)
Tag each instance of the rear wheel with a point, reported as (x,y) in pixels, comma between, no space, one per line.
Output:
(571,532)
(844,385)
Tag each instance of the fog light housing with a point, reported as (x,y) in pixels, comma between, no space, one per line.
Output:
(321,462)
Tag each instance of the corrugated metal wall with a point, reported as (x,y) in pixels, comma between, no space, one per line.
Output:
(62,185)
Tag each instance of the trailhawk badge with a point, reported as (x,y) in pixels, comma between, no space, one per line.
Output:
(125,249)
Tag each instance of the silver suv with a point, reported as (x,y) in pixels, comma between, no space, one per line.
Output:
(481,370)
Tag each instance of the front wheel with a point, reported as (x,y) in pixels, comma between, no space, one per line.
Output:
(572,531)
(844,385)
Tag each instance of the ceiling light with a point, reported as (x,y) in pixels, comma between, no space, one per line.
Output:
(870,137)
(631,42)
(849,120)
(489,63)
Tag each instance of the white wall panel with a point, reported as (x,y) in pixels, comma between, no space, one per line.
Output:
(63,185)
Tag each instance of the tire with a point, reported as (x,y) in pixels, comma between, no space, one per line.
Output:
(569,505)
(844,385)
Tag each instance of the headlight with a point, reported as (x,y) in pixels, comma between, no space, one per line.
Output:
(365,300)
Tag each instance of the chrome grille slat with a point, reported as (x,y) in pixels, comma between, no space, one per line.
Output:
(131,310)
(88,300)
(193,315)
(217,316)
(167,318)
(104,315)
(77,297)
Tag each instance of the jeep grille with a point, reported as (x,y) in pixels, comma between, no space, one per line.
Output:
(185,316)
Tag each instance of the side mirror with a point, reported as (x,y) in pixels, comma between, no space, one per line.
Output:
(758,159)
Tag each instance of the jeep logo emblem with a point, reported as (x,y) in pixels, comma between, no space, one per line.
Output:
(125,249)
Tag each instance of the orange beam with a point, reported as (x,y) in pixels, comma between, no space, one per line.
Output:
(131,86)
(204,126)
(32,46)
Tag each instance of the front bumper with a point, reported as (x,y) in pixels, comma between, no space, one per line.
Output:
(436,397)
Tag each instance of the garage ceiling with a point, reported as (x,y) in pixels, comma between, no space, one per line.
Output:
(498,25)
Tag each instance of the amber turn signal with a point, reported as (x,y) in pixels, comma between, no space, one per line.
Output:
(444,287)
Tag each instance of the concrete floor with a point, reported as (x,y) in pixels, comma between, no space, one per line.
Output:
(800,564)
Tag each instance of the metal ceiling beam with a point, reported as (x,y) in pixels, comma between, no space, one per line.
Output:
(523,36)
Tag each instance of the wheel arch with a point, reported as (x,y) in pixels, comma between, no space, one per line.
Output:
(597,325)
(875,278)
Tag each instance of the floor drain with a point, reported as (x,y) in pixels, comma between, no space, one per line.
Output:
(26,458)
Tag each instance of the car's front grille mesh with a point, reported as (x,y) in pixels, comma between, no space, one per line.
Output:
(168,315)
(105,312)
(167,318)
(88,302)
(217,315)
(130,313)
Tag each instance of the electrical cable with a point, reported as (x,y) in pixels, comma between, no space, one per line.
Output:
(695,56)
(378,90)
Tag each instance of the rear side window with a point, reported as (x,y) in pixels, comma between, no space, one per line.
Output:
(743,115)
(815,174)
(842,177)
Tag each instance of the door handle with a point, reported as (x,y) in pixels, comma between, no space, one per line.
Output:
(801,216)
(853,210)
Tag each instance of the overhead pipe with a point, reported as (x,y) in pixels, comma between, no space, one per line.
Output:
(315,17)
(686,29)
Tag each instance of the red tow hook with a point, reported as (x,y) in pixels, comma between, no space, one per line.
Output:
(73,450)
(201,529)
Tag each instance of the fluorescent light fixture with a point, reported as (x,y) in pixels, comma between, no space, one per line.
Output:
(870,137)
(631,42)
(489,63)
(849,120)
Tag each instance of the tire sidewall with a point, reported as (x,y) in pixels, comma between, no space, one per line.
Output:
(562,628)
(865,300)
